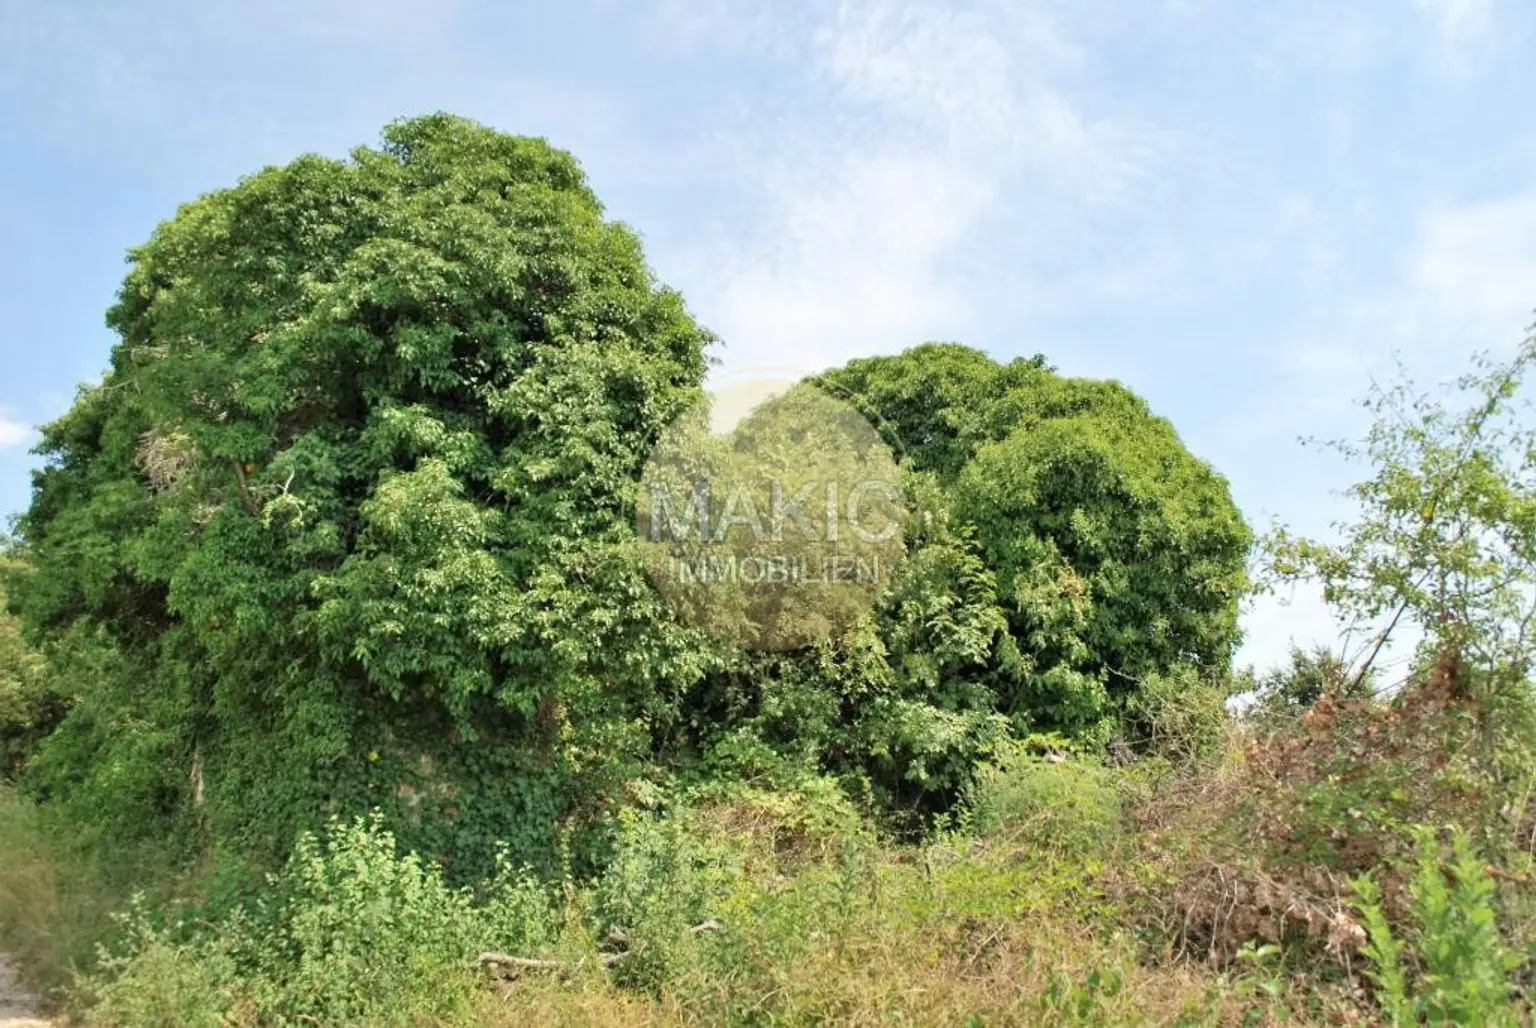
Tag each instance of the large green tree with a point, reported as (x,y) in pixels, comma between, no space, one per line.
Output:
(1070,566)
(347,520)
(1114,553)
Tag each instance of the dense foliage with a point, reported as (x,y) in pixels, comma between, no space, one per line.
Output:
(348,524)
(1116,555)
(346,521)
(26,707)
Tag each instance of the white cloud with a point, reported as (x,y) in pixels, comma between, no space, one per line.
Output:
(722,26)
(943,68)
(369,21)
(1474,266)
(865,199)
(1457,21)
(14,433)
(1464,280)
(849,267)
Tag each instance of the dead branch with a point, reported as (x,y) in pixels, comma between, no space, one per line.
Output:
(520,963)
(1494,871)
(615,936)
(512,963)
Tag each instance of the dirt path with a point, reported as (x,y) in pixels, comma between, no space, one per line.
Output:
(18,1007)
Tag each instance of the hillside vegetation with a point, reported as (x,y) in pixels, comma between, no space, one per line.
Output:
(333,689)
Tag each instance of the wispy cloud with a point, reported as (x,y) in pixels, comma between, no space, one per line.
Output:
(1473,267)
(1304,39)
(1465,34)
(14,434)
(1463,279)
(1458,21)
(920,119)
(411,22)
(1447,38)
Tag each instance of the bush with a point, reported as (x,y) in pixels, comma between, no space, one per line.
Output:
(806,819)
(1179,716)
(29,709)
(665,881)
(1052,803)
(1284,694)
(349,933)
(359,932)
(154,981)
(1346,787)
(1260,847)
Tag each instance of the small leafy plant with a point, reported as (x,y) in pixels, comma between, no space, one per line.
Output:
(1459,970)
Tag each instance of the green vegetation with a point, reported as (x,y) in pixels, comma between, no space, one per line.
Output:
(1115,554)
(1465,961)
(333,689)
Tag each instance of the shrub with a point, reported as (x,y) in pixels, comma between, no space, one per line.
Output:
(1179,716)
(357,931)
(154,981)
(1052,803)
(28,709)
(807,819)
(1282,695)
(664,881)
(1262,846)
(350,932)
(1346,787)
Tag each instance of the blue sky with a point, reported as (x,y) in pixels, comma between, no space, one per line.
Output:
(1241,210)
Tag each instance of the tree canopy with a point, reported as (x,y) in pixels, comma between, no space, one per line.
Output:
(1116,553)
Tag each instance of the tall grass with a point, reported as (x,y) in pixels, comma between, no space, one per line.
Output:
(739,907)
(697,921)
(55,906)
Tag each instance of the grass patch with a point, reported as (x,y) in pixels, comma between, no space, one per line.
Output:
(55,905)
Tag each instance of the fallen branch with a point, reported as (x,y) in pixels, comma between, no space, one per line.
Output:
(1494,871)
(621,938)
(520,963)
(512,963)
